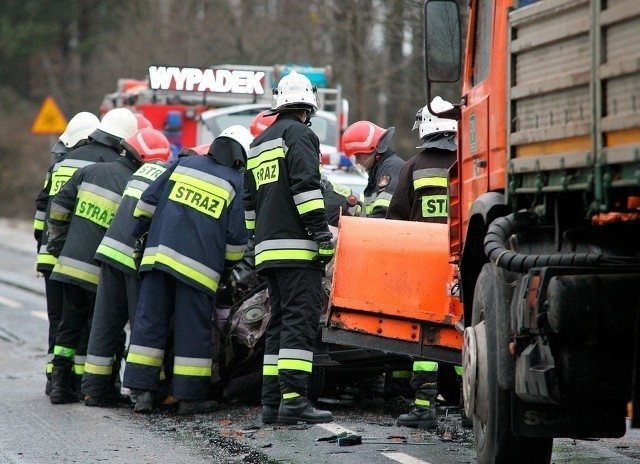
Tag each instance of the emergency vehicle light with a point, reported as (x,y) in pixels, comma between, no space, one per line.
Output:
(318,76)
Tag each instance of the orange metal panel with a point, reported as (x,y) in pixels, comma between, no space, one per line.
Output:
(397,268)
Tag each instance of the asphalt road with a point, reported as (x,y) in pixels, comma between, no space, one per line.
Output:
(32,430)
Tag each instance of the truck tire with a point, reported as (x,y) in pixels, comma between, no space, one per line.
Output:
(494,441)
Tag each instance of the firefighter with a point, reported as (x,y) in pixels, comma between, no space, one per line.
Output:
(119,284)
(421,195)
(285,210)
(191,223)
(338,199)
(367,145)
(75,135)
(79,215)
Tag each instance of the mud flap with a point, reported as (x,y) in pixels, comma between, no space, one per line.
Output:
(545,420)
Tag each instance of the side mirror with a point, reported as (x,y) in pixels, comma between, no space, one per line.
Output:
(442,41)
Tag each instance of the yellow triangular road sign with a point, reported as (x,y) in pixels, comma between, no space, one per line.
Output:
(50,119)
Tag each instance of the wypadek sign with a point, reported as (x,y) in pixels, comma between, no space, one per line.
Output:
(206,80)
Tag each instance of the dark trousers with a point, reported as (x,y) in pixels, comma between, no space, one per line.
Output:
(74,328)
(53,289)
(116,301)
(161,297)
(295,296)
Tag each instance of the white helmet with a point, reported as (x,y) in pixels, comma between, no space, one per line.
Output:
(240,134)
(119,122)
(430,124)
(79,128)
(295,92)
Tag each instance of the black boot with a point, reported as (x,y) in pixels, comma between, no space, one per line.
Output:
(269,414)
(197,406)
(62,390)
(300,409)
(145,401)
(422,418)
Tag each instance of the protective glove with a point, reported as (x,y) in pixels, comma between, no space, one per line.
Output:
(55,248)
(326,250)
(138,248)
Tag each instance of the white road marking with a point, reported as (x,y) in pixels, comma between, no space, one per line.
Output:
(334,428)
(404,458)
(40,315)
(395,456)
(9,302)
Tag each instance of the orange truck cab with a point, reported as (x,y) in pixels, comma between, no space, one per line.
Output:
(543,226)
(543,216)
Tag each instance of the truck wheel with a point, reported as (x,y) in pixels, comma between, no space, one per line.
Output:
(490,406)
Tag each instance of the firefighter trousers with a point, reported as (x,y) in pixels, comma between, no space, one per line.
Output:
(295,296)
(53,289)
(161,297)
(73,331)
(116,301)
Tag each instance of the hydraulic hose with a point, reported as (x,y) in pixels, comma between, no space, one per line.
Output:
(504,227)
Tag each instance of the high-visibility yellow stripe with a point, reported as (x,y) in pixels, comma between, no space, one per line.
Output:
(270,370)
(267,155)
(78,369)
(64,351)
(419,402)
(430,182)
(46,258)
(38,224)
(77,273)
(295,365)
(116,255)
(425,366)
(290,396)
(310,206)
(144,360)
(192,371)
(98,370)
(181,268)
(401,374)
(233,255)
(273,255)
(458,369)
(250,225)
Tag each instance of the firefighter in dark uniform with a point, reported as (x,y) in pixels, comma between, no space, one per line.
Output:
(193,220)
(285,209)
(80,215)
(74,136)
(367,145)
(421,195)
(119,284)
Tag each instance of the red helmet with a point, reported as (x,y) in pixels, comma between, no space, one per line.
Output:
(148,145)
(365,138)
(202,149)
(143,123)
(261,122)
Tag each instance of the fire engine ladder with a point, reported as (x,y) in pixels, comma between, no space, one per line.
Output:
(330,99)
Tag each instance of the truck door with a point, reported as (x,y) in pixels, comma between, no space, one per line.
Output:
(474,132)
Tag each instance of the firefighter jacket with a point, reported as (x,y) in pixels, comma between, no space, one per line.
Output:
(196,231)
(283,200)
(80,215)
(94,151)
(335,201)
(383,178)
(116,248)
(421,193)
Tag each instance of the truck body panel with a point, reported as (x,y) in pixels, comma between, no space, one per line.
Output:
(404,297)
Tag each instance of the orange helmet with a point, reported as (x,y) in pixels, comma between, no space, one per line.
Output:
(143,123)
(194,151)
(148,145)
(261,122)
(365,138)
